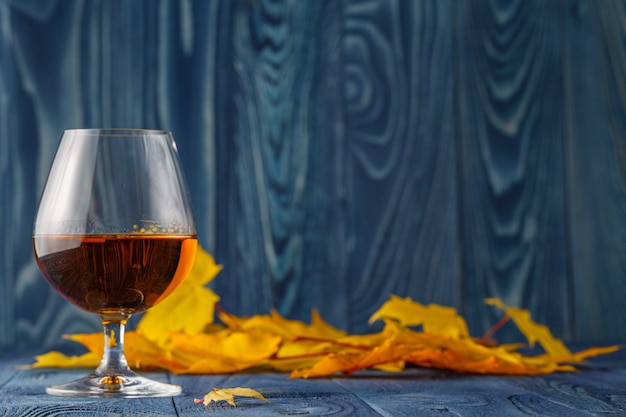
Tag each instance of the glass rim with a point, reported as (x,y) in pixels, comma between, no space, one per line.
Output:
(118,131)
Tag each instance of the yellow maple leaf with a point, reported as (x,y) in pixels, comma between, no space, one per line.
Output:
(228,395)
(433,318)
(189,308)
(222,352)
(56,359)
(594,351)
(140,352)
(276,324)
(94,342)
(534,332)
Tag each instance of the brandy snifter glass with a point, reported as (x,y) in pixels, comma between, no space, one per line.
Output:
(114,234)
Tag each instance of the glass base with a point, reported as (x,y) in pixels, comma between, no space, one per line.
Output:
(114,386)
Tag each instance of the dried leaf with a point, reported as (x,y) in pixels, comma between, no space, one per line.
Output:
(330,364)
(228,395)
(534,332)
(434,318)
(594,351)
(140,351)
(189,309)
(398,344)
(180,335)
(275,324)
(59,360)
(222,352)
(92,341)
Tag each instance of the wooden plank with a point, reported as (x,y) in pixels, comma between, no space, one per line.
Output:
(52,81)
(427,392)
(591,393)
(326,163)
(595,108)
(42,95)
(9,362)
(598,389)
(25,396)
(109,64)
(182,91)
(283,242)
(22,392)
(401,167)
(511,152)
(286,396)
(10,175)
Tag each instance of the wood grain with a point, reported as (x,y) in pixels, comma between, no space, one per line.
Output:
(595,108)
(283,209)
(512,163)
(341,151)
(24,395)
(10,175)
(402,197)
(285,396)
(596,390)
(37,113)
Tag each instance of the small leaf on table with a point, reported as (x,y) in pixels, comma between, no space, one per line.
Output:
(228,395)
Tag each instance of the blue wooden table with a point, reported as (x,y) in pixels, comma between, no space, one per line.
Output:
(599,389)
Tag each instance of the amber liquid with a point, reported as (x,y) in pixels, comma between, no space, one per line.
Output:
(114,274)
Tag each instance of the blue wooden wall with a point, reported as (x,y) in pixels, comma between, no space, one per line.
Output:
(339,151)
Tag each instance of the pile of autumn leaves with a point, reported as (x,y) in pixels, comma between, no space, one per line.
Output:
(180,335)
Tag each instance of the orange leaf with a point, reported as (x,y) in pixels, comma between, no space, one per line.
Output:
(329,365)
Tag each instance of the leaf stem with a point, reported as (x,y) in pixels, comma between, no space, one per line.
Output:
(484,340)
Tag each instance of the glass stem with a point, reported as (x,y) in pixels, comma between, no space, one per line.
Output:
(113,359)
